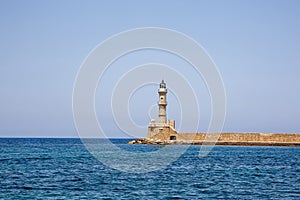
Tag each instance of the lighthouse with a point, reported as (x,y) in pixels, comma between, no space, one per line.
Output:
(163,128)
(162,103)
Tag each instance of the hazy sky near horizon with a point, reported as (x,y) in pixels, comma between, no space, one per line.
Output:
(255,44)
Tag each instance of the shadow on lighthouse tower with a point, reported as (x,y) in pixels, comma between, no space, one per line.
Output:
(162,129)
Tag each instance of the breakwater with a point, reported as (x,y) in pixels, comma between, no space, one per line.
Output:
(239,139)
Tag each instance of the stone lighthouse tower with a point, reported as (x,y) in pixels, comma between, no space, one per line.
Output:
(162,103)
(162,129)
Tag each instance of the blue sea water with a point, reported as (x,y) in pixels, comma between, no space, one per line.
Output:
(64,169)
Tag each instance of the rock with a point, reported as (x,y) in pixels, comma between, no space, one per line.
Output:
(131,142)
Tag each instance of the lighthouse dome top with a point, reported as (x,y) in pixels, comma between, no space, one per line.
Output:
(162,84)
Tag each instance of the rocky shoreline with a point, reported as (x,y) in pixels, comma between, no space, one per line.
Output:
(199,142)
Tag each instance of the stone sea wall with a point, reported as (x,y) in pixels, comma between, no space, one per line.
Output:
(244,139)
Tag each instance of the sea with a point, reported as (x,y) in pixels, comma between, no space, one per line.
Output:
(65,169)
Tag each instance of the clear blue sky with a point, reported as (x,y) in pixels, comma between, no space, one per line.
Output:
(255,44)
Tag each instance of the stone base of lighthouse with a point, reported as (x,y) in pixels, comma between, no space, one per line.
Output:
(158,131)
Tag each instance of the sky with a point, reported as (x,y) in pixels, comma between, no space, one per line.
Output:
(254,44)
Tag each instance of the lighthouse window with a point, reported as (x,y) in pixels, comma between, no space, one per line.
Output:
(161,98)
